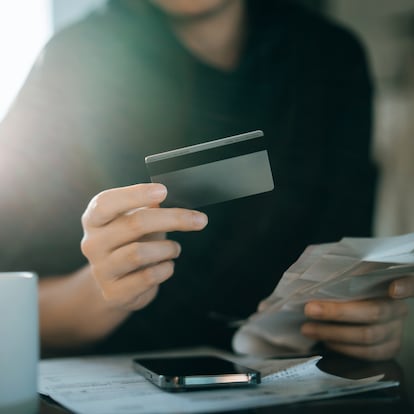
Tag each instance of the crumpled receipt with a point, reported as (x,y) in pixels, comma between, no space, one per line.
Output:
(351,269)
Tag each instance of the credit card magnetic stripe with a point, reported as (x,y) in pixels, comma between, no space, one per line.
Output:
(222,152)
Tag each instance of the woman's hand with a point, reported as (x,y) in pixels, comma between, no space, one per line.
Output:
(124,241)
(367,329)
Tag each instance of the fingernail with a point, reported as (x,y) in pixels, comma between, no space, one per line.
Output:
(314,309)
(158,191)
(398,290)
(178,249)
(200,219)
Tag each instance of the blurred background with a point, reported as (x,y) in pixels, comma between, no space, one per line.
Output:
(385,27)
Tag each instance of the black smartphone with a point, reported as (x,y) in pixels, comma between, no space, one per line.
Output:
(195,372)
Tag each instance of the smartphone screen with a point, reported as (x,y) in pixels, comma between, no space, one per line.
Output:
(195,372)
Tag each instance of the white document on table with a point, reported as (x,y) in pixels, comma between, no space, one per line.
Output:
(351,269)
(107,385)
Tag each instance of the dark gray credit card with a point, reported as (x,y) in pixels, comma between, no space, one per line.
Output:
(212,172)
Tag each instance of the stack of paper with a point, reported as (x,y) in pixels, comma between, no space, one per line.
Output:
(107,385)
(351,269)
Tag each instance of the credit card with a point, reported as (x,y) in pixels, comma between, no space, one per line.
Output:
(213,172)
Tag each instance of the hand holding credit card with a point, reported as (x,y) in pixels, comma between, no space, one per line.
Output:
(214,171)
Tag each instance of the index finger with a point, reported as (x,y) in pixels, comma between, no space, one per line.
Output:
(363,311)
(109,204)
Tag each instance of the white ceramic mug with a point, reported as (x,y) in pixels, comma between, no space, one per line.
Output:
(19,343)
